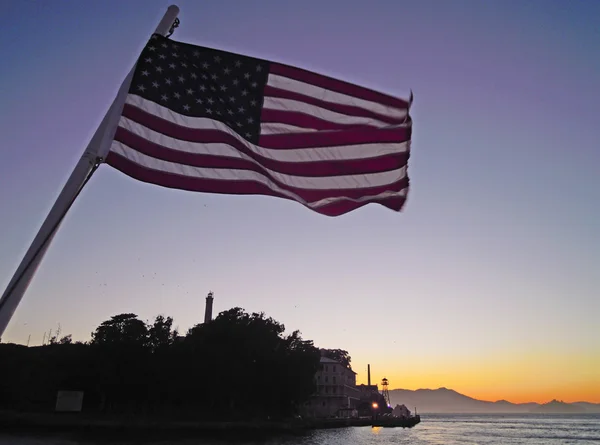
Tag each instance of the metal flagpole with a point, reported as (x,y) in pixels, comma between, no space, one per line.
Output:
(88,163)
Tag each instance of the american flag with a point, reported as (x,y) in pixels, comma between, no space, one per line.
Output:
(206,120)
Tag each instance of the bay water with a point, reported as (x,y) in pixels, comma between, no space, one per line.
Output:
(526,429)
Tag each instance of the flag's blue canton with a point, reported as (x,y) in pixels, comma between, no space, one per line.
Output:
(203,82)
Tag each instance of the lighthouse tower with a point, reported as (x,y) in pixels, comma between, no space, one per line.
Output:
(209,307)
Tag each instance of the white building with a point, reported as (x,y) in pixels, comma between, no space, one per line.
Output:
(337,395)
(401,411)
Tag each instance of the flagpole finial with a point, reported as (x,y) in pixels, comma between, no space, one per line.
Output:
(167,24)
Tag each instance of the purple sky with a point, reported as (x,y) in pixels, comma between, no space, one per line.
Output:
(498,248)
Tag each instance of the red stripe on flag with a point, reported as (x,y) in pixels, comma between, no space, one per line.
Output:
(354,136)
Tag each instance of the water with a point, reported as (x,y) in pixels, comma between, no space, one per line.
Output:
(434,429)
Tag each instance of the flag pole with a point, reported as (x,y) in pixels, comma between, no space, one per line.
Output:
(92,157)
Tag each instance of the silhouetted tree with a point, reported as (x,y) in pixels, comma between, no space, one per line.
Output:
(339,355)
(121,329)
(236,366)
(65,340)
(261,371)
(161,334)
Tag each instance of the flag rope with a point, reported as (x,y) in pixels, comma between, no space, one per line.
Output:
(172,29)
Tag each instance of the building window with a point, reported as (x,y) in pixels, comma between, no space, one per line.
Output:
(326,368)
(335,389)
(326,379)
(334,380)
(323,403)
(326,389)
(333,368)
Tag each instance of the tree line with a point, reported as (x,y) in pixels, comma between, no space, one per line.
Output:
(240,365)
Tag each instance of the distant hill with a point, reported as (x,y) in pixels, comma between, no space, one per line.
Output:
(588,407)
(443,400)
(557,406)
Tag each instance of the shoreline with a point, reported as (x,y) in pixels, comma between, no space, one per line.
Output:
(19,422)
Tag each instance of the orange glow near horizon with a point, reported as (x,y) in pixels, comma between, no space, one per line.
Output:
(519,379)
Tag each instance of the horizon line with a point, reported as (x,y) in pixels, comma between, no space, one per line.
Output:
(493,401)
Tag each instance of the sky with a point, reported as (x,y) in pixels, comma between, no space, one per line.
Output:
(488,282)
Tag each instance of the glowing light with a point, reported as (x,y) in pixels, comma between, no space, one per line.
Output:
(375,405)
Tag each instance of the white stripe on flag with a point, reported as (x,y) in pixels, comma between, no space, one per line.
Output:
(277,128)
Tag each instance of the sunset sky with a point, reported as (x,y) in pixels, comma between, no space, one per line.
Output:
(487,283)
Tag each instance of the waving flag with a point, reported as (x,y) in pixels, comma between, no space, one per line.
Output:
(205,120)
